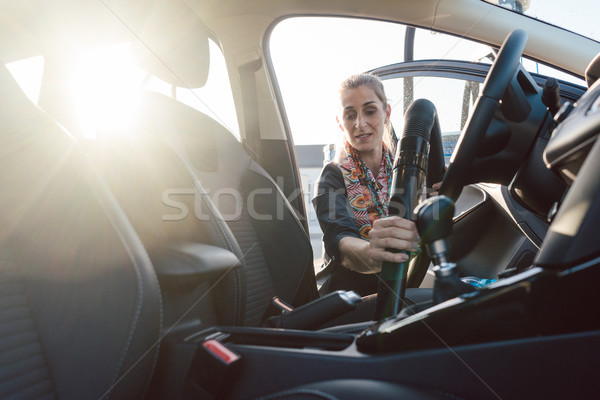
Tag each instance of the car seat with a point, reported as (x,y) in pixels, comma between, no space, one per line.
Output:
(80,305)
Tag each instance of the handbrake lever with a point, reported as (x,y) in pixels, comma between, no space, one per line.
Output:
(313,314)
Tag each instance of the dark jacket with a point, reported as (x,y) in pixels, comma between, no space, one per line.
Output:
(337,221)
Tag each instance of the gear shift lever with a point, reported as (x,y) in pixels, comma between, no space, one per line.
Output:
(434,222)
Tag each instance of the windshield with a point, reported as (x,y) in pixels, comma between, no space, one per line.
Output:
(577,16)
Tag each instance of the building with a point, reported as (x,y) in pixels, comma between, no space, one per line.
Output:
(311,159)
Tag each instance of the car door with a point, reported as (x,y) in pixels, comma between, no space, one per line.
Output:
(489,224)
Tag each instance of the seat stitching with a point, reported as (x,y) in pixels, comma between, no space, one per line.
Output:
(225,240)
(216,221)
(235,297)
(140,288)
(252,166)
(160,324)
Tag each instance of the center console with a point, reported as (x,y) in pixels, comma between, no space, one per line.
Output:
(532,325)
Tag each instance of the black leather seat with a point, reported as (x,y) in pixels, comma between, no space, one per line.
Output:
(184,156)
(261,227)
(80,305)
(182,177)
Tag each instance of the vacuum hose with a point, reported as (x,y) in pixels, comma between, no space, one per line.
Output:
(408,181)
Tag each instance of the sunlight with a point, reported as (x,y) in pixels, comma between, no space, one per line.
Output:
(28,74)
(105,89)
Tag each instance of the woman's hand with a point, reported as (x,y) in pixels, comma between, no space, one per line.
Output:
(354,253)
(392,233)
(436,189)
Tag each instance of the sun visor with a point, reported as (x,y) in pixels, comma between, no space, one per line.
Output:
(173,45)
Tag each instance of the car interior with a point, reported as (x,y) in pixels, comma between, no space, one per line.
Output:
(167,259)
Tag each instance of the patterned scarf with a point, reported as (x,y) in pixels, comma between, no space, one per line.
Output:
(369,197)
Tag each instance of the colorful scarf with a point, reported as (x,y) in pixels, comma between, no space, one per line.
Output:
(368,196)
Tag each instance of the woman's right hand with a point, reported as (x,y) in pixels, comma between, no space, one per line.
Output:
(392,233)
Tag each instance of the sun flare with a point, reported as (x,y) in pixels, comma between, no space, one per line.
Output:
(105,88)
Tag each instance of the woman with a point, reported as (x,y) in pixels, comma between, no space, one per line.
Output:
(352,193)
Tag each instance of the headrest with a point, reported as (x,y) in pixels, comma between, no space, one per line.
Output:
(173,44)
(592,72)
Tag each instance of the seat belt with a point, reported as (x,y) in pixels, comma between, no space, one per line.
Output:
(247,68)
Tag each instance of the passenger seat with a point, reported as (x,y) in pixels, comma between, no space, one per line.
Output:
(80,305)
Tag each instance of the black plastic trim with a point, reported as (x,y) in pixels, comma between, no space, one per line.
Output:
(184,265)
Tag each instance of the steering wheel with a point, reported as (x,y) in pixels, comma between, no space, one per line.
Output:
(498,79)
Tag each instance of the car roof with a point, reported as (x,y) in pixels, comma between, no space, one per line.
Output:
(33,27)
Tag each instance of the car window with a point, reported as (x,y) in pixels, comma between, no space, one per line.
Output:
(567,15)
(453,98)
(105,85)
(215,97)
(539,68)
(431,45)
(28,73)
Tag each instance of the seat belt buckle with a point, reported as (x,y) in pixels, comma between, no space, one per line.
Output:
(276,312)
(281,305)
(212,370)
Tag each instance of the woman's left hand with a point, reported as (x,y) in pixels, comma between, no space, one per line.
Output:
(392,233)
(435,189)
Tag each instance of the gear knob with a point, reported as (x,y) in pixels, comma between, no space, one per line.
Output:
(434,222)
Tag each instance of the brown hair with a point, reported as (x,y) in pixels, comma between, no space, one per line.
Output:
(371,81)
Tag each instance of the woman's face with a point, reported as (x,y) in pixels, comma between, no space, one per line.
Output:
(363,118)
